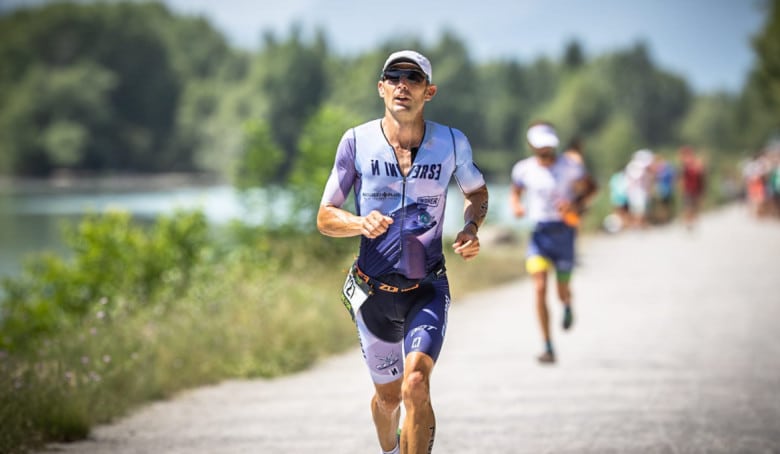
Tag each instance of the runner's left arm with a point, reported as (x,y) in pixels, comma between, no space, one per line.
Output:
(472,183)
(475,209)
(586,189)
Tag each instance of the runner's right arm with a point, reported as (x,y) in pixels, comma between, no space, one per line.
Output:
(334,221)
(339,223)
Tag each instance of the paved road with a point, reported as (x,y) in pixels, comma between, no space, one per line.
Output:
(675,350)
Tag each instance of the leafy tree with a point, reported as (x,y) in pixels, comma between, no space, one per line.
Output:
(211,116)
(500,88)
(541,80)
(294,84)
(261,157)
(50,121)
(759,106)
(573,56)
(612,146)
(711,123)
(454,73)
(653,99)
(64,142)
(317,148)
(168,93)
(352,84)
(148,53)
(767,47)
(582,106)
(756,116)
(218,96)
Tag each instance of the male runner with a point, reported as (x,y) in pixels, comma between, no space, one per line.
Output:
(399,167)
(550,184)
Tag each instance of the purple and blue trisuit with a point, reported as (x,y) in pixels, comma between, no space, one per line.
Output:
(406,310)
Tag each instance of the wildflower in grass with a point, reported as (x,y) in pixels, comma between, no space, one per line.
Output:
(84,360)
(106,359)
(100,315)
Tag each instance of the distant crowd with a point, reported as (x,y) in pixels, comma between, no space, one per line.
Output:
(644,191)
(761,176)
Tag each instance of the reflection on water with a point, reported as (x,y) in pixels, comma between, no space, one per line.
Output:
(31,222)
(24,234)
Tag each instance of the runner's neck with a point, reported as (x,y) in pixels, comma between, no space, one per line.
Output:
(403,136)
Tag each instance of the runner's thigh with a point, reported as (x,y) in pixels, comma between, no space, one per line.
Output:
(426,323)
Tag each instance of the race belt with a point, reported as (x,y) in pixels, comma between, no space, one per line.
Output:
(384,287)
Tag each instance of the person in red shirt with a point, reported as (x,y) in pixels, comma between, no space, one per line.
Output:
(693,180)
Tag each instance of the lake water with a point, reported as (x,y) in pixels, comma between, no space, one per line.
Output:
(30,221)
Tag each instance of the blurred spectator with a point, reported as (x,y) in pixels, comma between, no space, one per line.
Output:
(754,173)
(640,180)
(761,175)
(693,181)
(618,197)
(774,180)
(663,190)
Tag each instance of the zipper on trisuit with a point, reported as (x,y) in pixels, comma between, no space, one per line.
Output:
(403,191)
(403,214)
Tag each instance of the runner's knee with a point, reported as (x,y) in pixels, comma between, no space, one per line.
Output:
(388,401)
(540,281)
(416,391)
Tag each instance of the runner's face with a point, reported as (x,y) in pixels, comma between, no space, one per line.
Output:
(546,152)
(407,93)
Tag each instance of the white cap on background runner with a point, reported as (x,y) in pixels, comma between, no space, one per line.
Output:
(410,56)
(644,157)
(542,136)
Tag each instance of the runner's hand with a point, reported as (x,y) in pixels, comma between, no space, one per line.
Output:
(466,245)
(564,206)
(375,224)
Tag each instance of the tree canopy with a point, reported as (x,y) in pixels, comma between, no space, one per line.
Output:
(131,87)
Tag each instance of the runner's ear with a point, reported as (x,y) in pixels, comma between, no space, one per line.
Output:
(430,91)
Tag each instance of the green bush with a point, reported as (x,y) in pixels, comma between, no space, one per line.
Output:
(137,313)
(111,259)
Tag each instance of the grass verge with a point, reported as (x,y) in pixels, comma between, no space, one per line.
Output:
(235,320)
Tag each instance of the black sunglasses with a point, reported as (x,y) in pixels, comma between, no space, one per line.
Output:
(412,75)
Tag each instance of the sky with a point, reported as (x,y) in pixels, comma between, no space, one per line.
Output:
(708,42)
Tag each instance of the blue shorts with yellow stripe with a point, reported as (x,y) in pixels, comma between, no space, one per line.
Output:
(551,246)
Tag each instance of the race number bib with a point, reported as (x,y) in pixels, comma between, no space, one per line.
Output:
(354,293)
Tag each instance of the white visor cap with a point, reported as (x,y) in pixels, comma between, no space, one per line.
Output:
(542,136)
(644,157)
(410,56)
